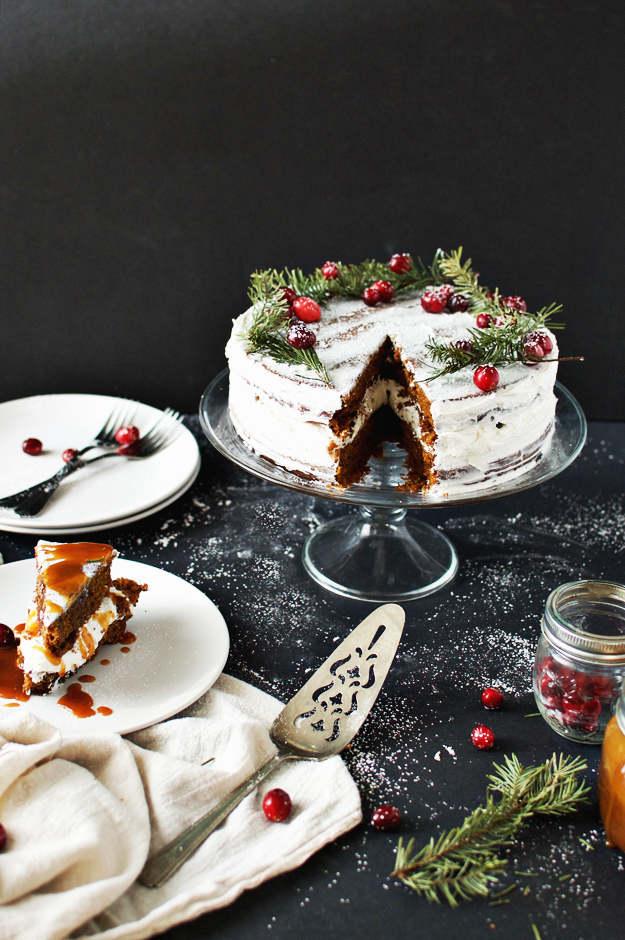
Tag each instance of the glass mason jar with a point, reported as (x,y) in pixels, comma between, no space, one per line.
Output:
(612,777)
(580,659)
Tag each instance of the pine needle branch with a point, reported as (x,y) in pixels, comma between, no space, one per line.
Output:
(465,861)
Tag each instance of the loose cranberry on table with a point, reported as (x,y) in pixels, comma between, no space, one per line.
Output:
(7,637)
(515,302)
(385,289)
(433,301)
(371,296)
(32,446)
(386,817)
(306,309)
(458,304)
(486,378)
(128,434)
(330,270)
(277,805)
(299,336)
(492,698)
(400,264)
(69,454)
(3,837)
(482,737)
(483,320)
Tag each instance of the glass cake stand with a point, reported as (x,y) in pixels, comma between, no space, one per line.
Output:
(379,554)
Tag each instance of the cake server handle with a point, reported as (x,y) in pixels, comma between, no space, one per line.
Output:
(166,862)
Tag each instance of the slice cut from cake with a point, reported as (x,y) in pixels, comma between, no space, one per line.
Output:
(76,608)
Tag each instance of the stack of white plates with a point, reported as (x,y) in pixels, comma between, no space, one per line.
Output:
(109,494)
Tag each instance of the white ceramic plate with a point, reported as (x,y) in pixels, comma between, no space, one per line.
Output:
(64,531)
(111,489)
(181,648)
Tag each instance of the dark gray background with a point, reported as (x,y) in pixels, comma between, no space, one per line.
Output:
(154,152)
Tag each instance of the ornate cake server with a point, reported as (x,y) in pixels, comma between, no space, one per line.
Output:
(318,722)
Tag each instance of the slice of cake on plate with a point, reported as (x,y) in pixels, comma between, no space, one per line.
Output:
(76,607)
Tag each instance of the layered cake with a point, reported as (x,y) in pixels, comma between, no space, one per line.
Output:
(76,608)
(461,376)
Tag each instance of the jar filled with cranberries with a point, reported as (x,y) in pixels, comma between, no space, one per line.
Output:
(580,659)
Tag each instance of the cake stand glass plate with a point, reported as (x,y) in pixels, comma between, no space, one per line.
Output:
(109,491)
(181,648)
(379,554)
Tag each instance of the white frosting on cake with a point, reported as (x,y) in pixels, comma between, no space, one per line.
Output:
(283,411)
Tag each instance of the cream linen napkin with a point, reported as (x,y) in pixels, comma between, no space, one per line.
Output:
(100,842)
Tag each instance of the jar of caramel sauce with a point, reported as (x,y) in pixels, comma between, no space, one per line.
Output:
(612,778)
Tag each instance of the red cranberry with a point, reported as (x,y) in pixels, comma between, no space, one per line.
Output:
(129,450)
(492,698)
(464,344)
(371,296)
(3,837)
(7,637)
(289,295)
(490,295)
(69,454)
(486,378)
(447,291)
(535,336)
(32,446)
(128,434)
(386,817)
(458,303)
(400,264)
(330,271)
(482,737)
(306,309)
(299,336)
(277,805)
(385,289)
(602,687)
(483,320)
(534,352)
(515,302)
(433,301)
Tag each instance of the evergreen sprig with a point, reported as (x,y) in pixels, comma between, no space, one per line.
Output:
(465,861)
(267,331)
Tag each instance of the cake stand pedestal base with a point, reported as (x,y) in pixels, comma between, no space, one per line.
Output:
(379,556)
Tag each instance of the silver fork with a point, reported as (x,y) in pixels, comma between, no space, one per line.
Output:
(123,414)
(32,501)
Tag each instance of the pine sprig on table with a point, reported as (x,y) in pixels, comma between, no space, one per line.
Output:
(267,331)
(465,861)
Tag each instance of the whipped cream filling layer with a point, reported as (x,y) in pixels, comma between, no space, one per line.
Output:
(56,603)
(39,662)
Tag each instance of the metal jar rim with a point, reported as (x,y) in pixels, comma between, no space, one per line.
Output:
(575,597)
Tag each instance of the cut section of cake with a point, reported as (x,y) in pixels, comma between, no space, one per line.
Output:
(76,608)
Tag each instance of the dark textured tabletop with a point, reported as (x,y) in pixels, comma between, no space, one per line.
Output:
(239,540)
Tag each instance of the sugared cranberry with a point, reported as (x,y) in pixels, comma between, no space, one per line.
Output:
(7,637)
(486,378)
(277,805)
(447,291)
(3,837)
(386,817)
(330,271)
(533,351)
(299,336)
(385,289)
(516,303)
(32,446)
(289,295)
(483,320)
(128,434)
(490,295)
(464,344)
(458,303)
(433,301)
(371,296)
(400,264)
(535,336)
(492,698)
(129,450)
(70,454)
(306,309)
(482,737)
